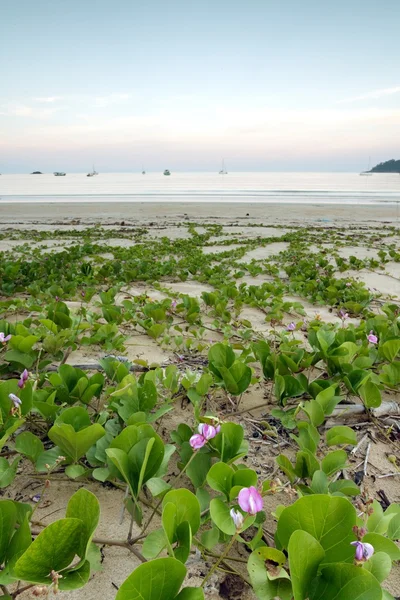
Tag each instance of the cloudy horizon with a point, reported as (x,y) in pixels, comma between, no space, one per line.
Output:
(305,89)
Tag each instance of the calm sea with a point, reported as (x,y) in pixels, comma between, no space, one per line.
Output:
(302,188)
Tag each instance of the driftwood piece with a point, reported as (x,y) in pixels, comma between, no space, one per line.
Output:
(357,412)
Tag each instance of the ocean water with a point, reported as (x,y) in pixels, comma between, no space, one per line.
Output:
(299,188)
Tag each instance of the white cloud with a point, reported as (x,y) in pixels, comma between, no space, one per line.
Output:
(22,110)
(103,101)
(372,95)
(48,99)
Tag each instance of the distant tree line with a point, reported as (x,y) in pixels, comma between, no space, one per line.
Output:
(389,166)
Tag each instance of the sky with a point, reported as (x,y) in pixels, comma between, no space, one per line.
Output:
(268,85)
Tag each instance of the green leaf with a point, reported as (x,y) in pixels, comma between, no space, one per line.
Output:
(390,349)
(329,519)
(8,519)
(154,543)
(341,434)
(187,507)
(319,484)
(265,585)
(370,395)
(334,462)
(344,486)
(8,471)
(382,544)
(85,506)
(220,515)
(53,549)
(26,360)
(190,593)
(75,471)
(345,582)
(379,565)
(393,531)
(379,521)
(305,555)
(220,477)
(75,578)
(159,579)
(29,445)
(210,538)
(229,442)
(75,444)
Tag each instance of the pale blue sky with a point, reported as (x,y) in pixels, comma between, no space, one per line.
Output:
(269,85)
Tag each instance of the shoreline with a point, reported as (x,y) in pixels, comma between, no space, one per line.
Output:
(246,212)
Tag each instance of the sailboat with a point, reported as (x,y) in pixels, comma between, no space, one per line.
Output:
(367,173)
(92,173)
(223,171)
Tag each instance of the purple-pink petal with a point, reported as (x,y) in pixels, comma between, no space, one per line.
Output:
(364,551)
(15,400)
(207,431)
(197,441)
(250,500)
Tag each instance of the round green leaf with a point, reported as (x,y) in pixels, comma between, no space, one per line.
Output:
(329,519)
(158,579)
(53,549)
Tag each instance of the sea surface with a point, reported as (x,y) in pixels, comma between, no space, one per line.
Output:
(299,188)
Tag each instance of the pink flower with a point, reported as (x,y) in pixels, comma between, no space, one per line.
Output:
(15,400)
(217,429)
(364,551)
(372,338)
(4,338)
(250,500)
(237,518)
(197,441)
(348,284)
(23,378)
(343,315)
(207,431)
(291,327)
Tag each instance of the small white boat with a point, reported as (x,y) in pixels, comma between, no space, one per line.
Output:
(92,173)
(167,172)
(59,174)
(223,171)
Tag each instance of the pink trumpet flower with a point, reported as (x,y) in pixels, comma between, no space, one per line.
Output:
(250,500)
(206,433)
(291,327)
(372,338)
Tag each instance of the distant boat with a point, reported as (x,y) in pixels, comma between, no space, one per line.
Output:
(143,171)
(37,173)
(59,174)
(92,173)
(223,171)
(167,172)
(367,172)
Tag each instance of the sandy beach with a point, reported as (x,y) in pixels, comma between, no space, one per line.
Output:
(257,239)
(144,212)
